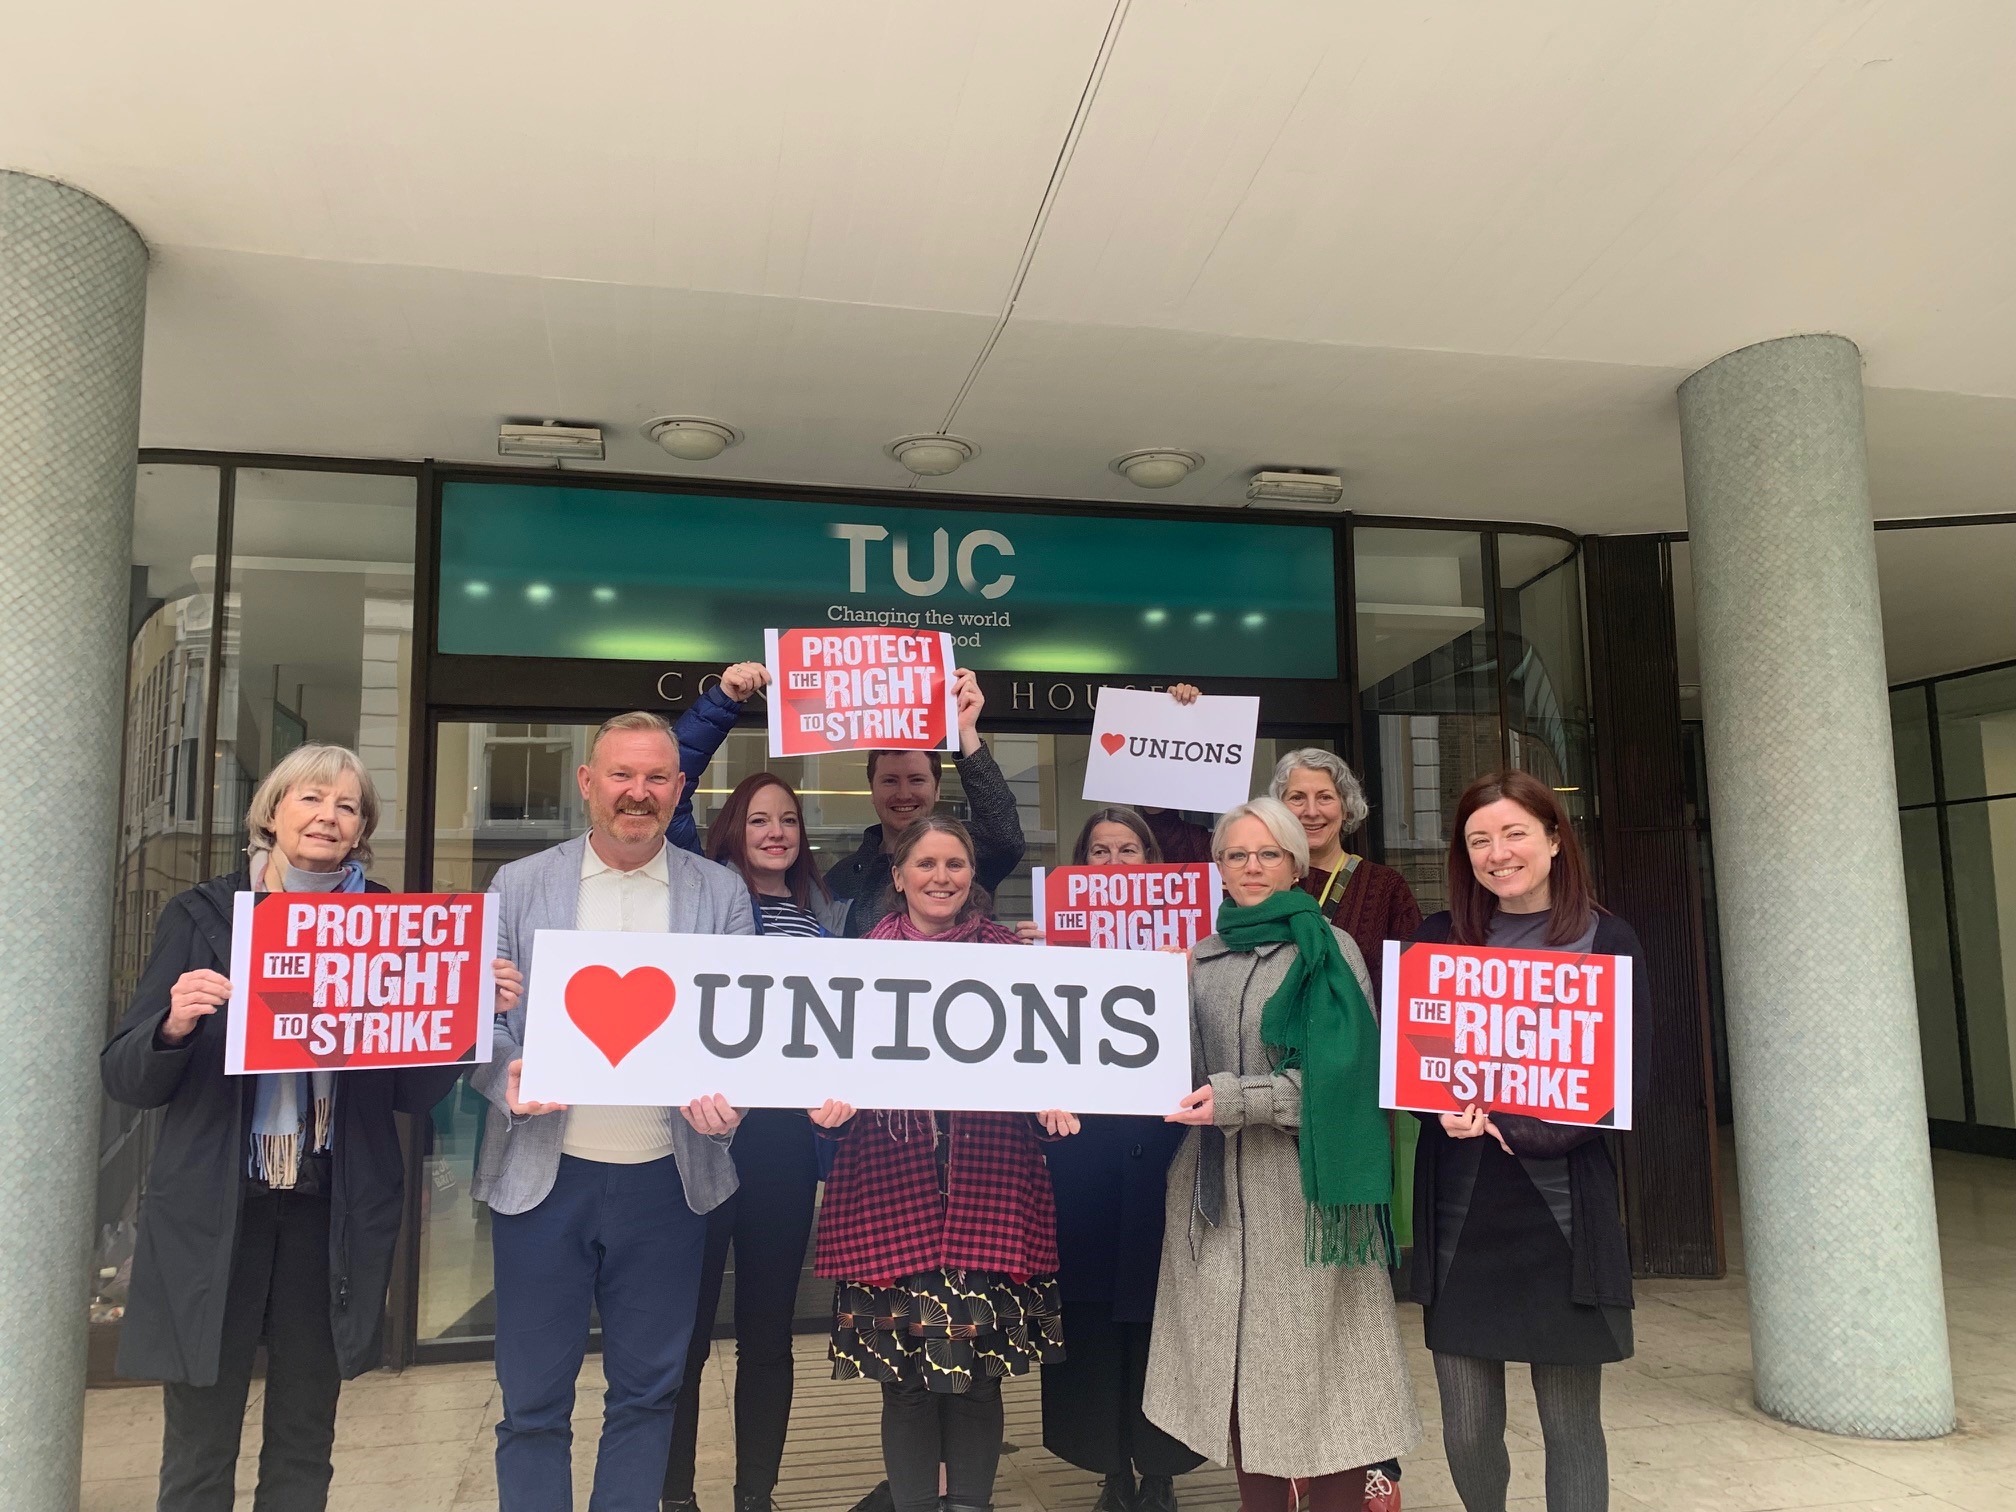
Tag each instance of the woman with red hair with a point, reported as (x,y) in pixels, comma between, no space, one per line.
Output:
(1518,1251)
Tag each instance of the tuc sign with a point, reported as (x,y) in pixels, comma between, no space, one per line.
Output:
(614,574)
(775,1022)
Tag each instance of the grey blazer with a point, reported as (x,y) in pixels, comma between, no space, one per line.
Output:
(521,1155)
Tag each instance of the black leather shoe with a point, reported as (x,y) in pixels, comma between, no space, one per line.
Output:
(680,1504)
(1116,1494)
(752,1501)
(878,1500)
(1157,1494)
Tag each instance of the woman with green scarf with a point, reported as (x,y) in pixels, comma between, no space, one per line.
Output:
(1276,1347)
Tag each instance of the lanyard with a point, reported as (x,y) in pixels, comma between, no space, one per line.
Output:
(1344,869)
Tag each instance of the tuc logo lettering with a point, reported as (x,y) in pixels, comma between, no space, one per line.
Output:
(343,982)
(770,1021)
(1538,1032)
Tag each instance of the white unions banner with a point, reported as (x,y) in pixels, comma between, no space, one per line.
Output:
(1148,748)
(771,1022)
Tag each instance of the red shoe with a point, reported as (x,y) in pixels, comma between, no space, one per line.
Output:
(1382,1494)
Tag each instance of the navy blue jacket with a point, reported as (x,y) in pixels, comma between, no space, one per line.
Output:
(1109,1180)
(699,731)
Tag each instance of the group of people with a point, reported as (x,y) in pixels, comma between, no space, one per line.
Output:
(1214,1284)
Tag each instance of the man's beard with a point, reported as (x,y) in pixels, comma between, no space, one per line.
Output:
(646,812)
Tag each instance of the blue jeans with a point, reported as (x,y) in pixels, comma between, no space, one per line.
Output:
(623,1238)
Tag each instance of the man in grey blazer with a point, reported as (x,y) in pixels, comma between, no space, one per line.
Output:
(602,1205)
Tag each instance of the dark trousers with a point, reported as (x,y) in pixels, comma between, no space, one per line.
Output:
(619,1238)
(1339,1491)
(279,1291)
(768,1222)
(1092,1414)
(923,1429)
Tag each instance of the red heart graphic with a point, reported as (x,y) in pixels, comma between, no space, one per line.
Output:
(618,1013)
(1112,743)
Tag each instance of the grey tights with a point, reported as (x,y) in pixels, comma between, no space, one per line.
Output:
(1570,1398)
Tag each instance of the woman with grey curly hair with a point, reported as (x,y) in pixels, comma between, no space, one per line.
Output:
(1369,902)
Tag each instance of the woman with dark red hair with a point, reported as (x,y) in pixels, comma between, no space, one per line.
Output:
(1518,1250)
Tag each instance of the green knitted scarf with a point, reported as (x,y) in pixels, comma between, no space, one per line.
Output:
(1319,1022)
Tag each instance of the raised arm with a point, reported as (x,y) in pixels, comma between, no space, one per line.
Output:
(700,731)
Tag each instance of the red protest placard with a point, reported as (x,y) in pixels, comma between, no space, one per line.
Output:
(1126,907)
(867,689)
(353,981)
(1539,1032)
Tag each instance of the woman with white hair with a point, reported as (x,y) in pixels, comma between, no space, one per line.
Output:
(1369,902)
(272,1204)
(1275,1345)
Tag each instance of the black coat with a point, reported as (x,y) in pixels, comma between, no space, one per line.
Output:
(188,1233)
(1110,1180)
(1600,1255)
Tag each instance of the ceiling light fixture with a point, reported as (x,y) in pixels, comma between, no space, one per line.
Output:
(551,439)
(692,438)
(932,456)
(1157,467)
(1296,490)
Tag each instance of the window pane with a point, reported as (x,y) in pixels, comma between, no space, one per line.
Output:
(1932,965)
(160,814)
(1429,677)
(1977,733)
(1983,837)
(318,640)
(1546,678)
(1911,739)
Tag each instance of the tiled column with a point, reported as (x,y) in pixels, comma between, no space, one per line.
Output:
(73,285)
(1848,1322)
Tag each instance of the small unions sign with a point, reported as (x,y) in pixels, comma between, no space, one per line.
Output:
(351,981)
(776,1022)
(1545,1033)
(1149,749)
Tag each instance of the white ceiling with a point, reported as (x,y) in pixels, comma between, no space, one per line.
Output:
(1461,253)
(1946,596)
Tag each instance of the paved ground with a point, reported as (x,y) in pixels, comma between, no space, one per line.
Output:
(1683,1434)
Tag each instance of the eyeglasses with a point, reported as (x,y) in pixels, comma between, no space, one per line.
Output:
(1236,859)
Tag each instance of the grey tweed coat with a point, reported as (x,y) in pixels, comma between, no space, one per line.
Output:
(1313,1351)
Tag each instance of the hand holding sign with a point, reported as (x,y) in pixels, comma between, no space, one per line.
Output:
(194,997)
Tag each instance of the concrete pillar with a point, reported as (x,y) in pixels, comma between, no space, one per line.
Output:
(1848,1321)
(73,287)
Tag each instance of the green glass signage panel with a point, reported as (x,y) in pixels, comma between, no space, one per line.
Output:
(542,570)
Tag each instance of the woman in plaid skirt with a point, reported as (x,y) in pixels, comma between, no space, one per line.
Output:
(940,1232)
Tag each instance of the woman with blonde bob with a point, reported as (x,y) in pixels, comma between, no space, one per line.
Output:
(273,1201)
(1275,1344)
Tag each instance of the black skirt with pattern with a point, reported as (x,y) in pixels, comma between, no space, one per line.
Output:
(945,1328)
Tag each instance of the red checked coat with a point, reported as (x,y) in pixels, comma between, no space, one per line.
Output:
(893,1207)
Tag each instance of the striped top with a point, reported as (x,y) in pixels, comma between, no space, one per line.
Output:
(780,916)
